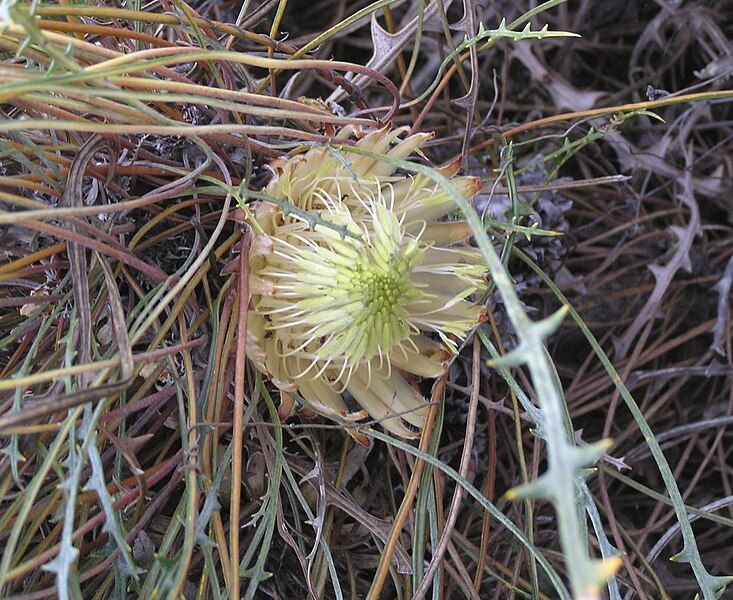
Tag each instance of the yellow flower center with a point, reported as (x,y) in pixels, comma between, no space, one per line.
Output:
(370,299)
(339,302)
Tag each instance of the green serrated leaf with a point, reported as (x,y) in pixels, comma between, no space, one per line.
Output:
(710,585)
(63,564)
(112,523)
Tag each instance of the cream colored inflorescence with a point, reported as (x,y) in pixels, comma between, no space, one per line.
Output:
(334,313)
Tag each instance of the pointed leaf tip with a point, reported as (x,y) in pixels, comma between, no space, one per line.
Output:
(542,487)
(514,358)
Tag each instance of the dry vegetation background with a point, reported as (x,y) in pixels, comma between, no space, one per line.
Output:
(116,480)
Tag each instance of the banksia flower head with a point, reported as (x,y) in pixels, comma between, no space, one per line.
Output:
(349,306)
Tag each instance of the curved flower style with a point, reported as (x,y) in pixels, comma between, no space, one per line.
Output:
(334,313)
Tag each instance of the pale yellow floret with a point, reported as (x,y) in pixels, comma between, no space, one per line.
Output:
(331,314)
